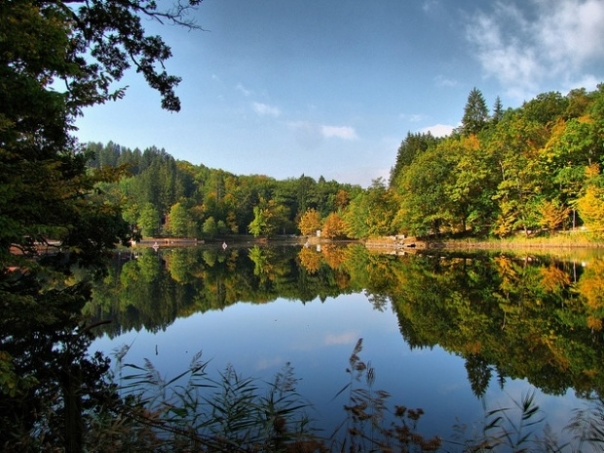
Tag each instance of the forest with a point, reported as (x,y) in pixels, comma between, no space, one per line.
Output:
(536,169)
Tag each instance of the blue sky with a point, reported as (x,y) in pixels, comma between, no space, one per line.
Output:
(324,87)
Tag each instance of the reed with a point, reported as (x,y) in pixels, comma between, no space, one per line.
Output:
(192,412)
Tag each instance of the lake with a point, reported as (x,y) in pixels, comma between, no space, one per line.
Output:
(456,334)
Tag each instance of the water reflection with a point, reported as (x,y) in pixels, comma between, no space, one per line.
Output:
(503,318)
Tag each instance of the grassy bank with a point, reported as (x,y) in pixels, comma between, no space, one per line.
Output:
(561,240)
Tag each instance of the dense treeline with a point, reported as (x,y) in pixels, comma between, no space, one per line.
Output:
(536,168)
(164,196)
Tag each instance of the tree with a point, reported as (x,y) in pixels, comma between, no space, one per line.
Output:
(309,222)
(423,194)
(476,113)
(260,225)
(148,220)
(545,107)
(181,223)
(334,227)
(411,147)
(497,111)
(57,58)
(209,228)
(553,214)
(591,204)
(269,218)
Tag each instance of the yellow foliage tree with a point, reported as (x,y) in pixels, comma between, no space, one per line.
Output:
(553,214)
(334,226)
(591,207)
(310,222)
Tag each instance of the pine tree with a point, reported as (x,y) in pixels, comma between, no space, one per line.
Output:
(476,113)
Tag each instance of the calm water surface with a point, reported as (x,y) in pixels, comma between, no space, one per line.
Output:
(450,334)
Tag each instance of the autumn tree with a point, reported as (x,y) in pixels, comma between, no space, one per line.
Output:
(310,222)
(591,204)
(334,227)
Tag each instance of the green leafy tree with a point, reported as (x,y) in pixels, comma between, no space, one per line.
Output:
(261,225)
(269,218)
(57,58)
(411,147)
(181,222)
(514,148)
(423,195)
(148,220)
(545,108)
(210,228)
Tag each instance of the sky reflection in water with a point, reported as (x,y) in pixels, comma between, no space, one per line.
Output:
(318,338)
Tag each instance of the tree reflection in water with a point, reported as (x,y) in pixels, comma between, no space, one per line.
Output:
(508,316)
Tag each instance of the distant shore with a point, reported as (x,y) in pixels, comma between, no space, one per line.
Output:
(559,241)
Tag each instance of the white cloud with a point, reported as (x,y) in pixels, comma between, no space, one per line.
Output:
(343,132)
(265,109)
(438,130)
(311,135)
(243,90)
(555,44)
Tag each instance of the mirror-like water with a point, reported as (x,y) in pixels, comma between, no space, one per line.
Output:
(455,335)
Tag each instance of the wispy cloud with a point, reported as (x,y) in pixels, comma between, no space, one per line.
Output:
(343,132)
(556,43)
(265,109)
(429,5)
(442,81)
(239,87)
(311,135)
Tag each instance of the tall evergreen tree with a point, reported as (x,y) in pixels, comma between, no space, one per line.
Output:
(497,111)
(476,113)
